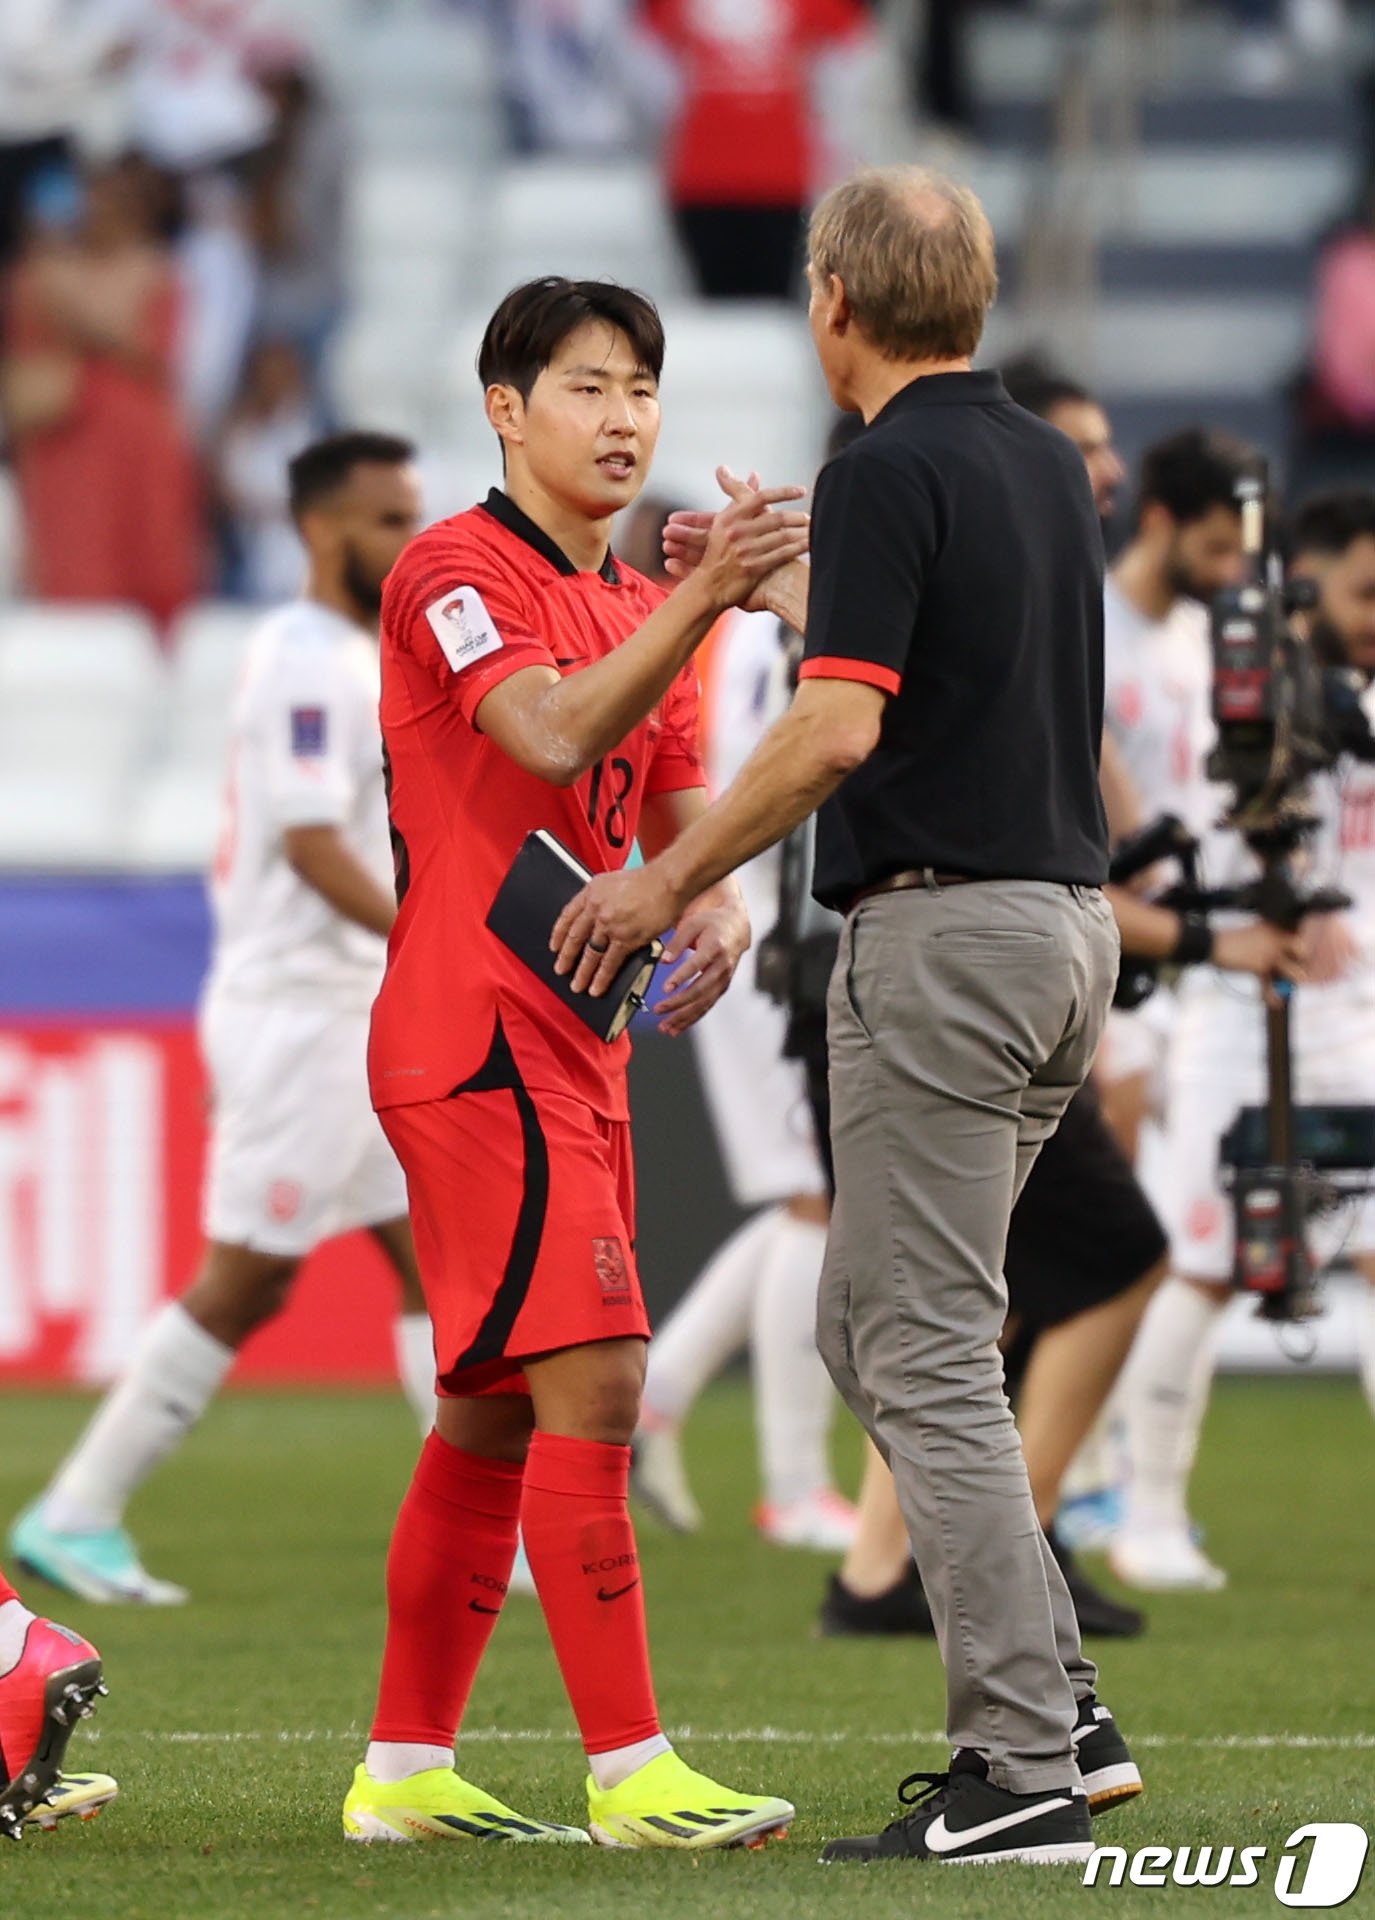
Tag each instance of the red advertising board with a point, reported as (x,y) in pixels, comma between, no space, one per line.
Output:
(102,1140)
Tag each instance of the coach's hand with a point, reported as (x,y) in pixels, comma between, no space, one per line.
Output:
(709,944)
(614,914)
(735,550)
(1262,949)
(1331,949)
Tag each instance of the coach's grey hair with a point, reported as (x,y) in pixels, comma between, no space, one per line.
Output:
(915,254)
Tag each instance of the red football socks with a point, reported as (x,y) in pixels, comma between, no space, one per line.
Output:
(581,1548)
(7,1592)
(447,1571)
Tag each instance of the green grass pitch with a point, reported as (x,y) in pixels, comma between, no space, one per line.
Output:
(234,1724)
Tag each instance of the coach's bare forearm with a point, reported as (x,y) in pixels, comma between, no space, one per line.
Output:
(785,594)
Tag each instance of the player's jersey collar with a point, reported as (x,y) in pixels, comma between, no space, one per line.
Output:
(504,510)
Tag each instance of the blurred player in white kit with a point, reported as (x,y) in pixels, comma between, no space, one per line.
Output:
(761,1286)
(1217,1065)
(303,897)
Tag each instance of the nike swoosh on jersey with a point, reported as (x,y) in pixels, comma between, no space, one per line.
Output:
(940,1839)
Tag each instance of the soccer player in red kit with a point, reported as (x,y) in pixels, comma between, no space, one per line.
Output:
(529,680)
(50,1679)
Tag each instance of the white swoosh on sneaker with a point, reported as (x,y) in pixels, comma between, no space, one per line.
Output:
(941,1840)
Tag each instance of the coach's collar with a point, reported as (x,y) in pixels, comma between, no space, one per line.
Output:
(504,509)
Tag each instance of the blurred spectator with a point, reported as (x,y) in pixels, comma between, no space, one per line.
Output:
(219,270)
(299,185)
(51,53)
(272,420)
(193,102)
(88,390)
(746,149)
(563,74)
(1335,411)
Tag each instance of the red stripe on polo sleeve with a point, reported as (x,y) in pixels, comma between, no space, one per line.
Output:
(867,672)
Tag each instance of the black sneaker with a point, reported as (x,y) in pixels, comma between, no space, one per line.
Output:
(902,1609)
(1110,1776)
(1095,1612)
(961,1816)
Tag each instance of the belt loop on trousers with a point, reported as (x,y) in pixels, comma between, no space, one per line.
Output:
(928,879)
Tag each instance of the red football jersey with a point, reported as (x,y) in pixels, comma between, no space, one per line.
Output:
(470,601)
(746,131)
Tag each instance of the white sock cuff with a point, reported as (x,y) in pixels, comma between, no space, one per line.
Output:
(610,1769)
(388,1761)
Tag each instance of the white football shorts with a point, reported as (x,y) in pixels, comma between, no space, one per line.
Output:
(1217,1066)
(296,1152)
(757,1099)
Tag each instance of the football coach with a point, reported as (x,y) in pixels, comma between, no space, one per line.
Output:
(947,723)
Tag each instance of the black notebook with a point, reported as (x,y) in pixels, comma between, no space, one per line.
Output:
(543,878)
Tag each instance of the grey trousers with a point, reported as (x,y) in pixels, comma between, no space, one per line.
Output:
(960,1023)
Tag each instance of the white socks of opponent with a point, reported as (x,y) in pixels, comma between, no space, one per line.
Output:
(1163,1397)
(760,1287)
(175,1373)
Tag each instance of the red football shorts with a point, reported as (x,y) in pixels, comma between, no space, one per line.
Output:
(523,1208)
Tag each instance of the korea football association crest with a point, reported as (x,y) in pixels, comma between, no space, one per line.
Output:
(463,627)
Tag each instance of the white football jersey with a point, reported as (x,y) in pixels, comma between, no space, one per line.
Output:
(745,691)
(1158,703)
(306,750)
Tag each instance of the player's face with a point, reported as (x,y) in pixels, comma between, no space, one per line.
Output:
(1205,555)
(586,436)
(375,515)
(1346,599)
(1086,424)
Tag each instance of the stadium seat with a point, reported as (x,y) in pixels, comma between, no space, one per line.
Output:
(538,222)
(81,692)
(741,386)
(175,815)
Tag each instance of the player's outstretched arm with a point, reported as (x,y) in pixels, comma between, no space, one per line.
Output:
(324,860)
(557,728)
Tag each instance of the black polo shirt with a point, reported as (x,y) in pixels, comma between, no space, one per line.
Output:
(957,563)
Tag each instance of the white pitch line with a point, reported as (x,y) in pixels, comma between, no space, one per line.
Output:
(740,1737)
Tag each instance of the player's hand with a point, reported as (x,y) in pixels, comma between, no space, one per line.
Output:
(685,538)
(750,538)
(1267,951)
(709,944)
(614,914)
(1331,949)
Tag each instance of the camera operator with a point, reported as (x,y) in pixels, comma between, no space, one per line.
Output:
(1185,547)
(1218,1065)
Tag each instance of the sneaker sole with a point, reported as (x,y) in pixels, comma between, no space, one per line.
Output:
(752,1837)
(1067,1853)
(1110,1787)
(69,1695)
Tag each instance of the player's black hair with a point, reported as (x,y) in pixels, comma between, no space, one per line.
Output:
(1191,472)
(1033,383)
(321,469)
(534,320)
(1330,522)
